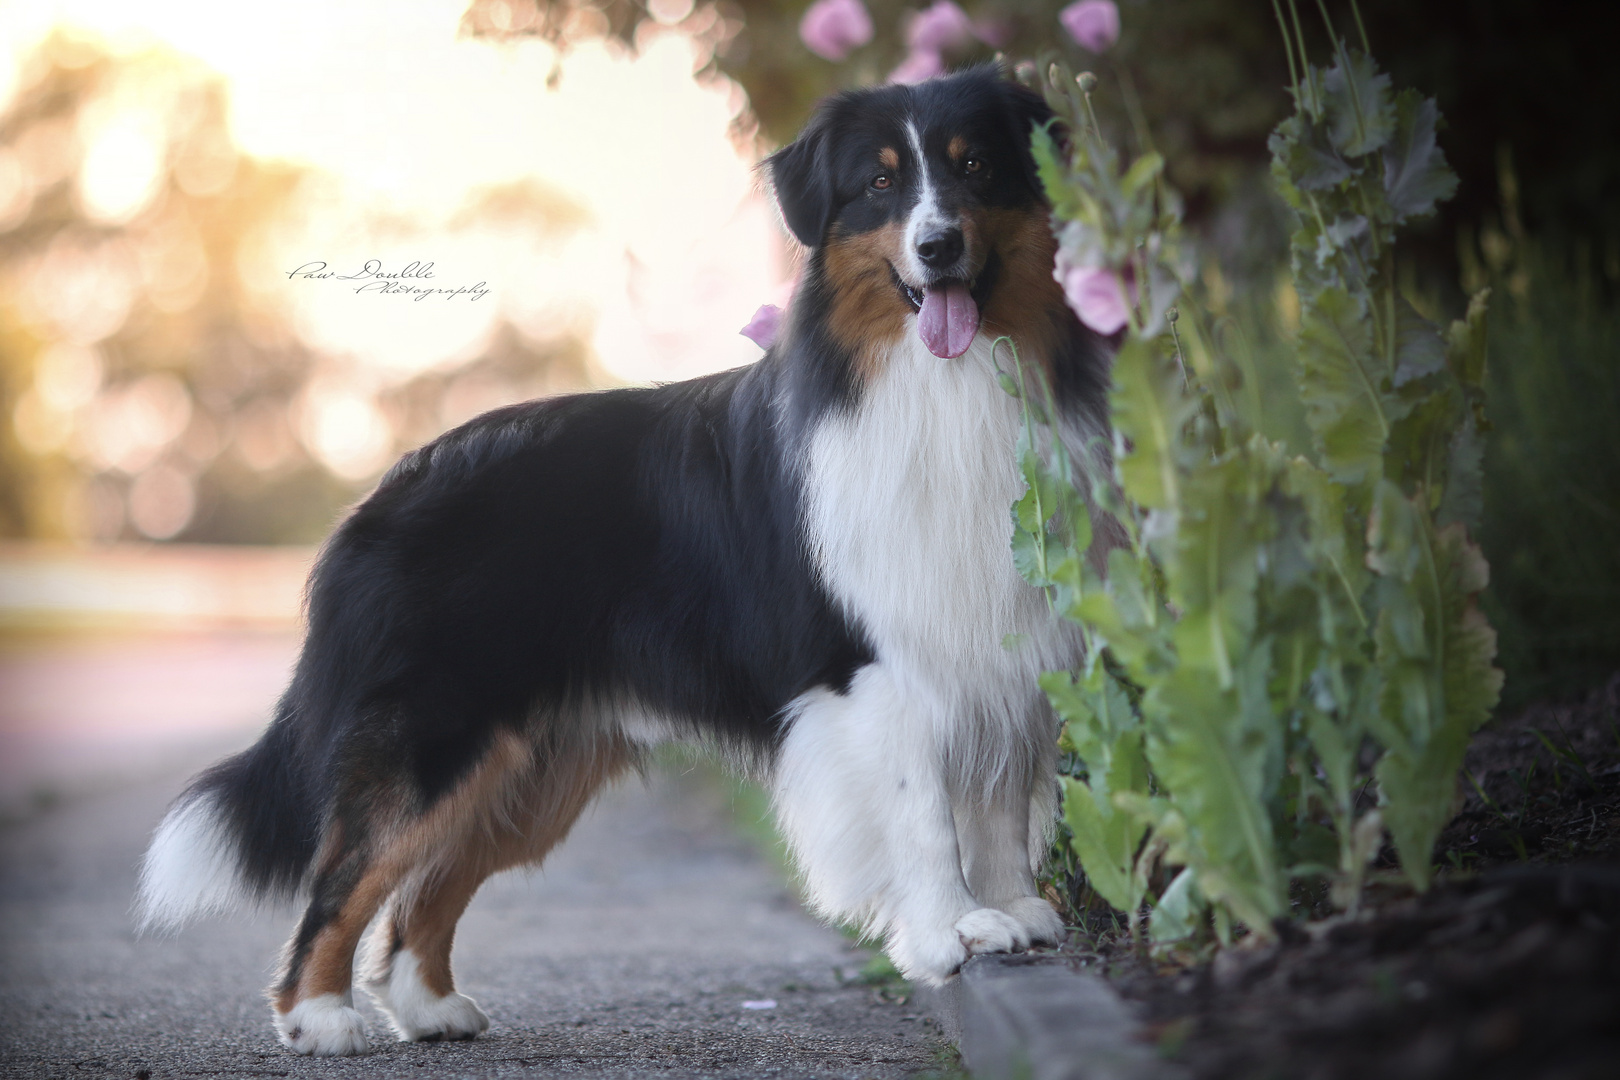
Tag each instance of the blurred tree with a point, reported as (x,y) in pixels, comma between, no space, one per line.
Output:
(1207,77)
(128,343)
(147,389)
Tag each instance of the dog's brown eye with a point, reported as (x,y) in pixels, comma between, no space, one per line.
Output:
(881,182)
(972,165)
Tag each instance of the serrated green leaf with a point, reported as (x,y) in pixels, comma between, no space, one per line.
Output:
(1434,654)
(1419,351)
(1104,837)
(1180,910)
(1339,384)
(1337,552)
(1218,754)
(1095,710)
(1051,524)
(1301,153)
(1035,555)
(1213,569)
(1465,342)
(1360,114)
(1143,171)
(1054,174)
(1464,497)
(1340,236)
(1416,176)
(1126,616)
(1150,408)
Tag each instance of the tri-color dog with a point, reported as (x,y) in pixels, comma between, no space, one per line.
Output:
(803,563)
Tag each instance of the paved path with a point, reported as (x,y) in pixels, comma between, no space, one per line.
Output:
(632,953)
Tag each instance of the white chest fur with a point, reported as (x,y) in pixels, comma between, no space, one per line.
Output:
(909,495)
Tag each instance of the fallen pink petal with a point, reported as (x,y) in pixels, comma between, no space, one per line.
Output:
(763,327)
(1096,296)
(833,28)
(1092,23)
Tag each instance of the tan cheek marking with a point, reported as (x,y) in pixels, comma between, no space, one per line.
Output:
(889,157)
(1028,304)
(868,313)
(956,148)
(977,242)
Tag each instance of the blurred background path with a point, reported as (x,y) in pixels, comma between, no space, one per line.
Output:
(650,944)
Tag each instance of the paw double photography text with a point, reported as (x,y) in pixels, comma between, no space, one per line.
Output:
(373,277)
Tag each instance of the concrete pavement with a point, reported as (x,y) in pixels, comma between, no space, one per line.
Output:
(631,954)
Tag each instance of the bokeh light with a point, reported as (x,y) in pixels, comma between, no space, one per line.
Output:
(585,212)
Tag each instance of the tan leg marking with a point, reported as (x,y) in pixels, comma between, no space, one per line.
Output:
(522,811)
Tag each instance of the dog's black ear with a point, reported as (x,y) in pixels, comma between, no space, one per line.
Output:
(1028,111)
(800,173)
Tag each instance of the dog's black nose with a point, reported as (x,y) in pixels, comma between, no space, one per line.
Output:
(940,249)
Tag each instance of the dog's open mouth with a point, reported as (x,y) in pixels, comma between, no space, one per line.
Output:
(947,314)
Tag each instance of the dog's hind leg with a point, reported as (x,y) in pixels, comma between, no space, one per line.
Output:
(373,844)
(510,819)
(408,959)
(314,1002)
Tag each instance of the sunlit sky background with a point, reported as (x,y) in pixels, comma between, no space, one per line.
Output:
(407,120)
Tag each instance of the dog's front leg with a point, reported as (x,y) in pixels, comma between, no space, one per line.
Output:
(1003,838)
(861,796)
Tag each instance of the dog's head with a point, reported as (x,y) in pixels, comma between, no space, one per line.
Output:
(922,200)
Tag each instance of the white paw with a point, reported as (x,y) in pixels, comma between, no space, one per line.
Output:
(326,1026)
(927,958)
(451,1017)
(420,1015)
(1036,916)
(987,930)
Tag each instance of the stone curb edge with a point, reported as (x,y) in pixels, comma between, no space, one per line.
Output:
(1035,1017)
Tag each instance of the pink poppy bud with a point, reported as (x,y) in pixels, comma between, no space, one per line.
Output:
(1095,295)
(763,327)
(919,65)
(831,28)
(1093,23)
(938,28)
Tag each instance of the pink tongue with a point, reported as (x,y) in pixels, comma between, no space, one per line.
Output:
(948,320)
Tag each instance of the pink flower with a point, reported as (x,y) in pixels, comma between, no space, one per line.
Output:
(1097,297)
(764,326)
(995,33)
(919,65)
(939,27)
(831,28)
(1093,23)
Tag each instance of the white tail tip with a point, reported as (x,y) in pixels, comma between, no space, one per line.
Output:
(190,869)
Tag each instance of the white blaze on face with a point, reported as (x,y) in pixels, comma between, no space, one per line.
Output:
(949,318)
(926,215)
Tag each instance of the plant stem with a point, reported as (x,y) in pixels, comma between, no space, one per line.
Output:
(1288,49)
(1355,9)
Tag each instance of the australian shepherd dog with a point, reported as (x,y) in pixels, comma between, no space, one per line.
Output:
(803,563)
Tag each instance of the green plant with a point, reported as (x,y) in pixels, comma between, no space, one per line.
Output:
(1280,631)
(1552,481)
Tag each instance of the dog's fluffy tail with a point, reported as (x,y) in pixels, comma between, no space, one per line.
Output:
(244,831)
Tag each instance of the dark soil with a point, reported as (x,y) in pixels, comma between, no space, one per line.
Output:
(1508,967)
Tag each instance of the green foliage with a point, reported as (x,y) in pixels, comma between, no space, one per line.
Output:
(1272,615)
(1100,727)
(1552,477)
